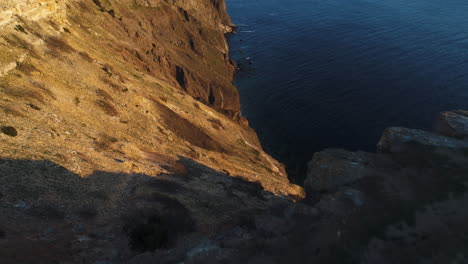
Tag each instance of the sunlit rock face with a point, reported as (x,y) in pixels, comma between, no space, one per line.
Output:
(126,86)
(120,134)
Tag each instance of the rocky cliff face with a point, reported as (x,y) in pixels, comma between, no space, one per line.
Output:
(125,86)
(121,142)
(120,132)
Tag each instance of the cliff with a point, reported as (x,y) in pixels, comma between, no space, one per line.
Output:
(121,142)
(120,132)
(126,86)
(394,206)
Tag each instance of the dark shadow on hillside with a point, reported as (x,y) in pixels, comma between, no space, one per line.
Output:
(51,213)
(407,207)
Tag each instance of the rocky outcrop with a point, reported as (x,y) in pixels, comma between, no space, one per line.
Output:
(332,168)
(12,11)
(453,124)
(397,139)
(393,206)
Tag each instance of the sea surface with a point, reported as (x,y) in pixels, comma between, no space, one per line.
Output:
(335,73)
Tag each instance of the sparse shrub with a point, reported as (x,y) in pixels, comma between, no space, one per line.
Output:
(109,138)
(104,94)
(76,100)
(21,29)
(111,12)
(56,44)
(98,4)
(185,14)
(22,93)
(107,108)
(85,56)
(43,87)
(9,131)
(105,141)
(180,77)
(192,44)
(35,107)
(114,86)
(107,71)
(27,68)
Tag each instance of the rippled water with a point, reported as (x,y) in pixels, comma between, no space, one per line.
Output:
(335,73)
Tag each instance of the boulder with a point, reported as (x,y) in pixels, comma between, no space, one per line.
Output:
(398,139)
(452,124)
(342,202)
(332,168)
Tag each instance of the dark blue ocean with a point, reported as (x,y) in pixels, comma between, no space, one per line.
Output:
(336,73)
